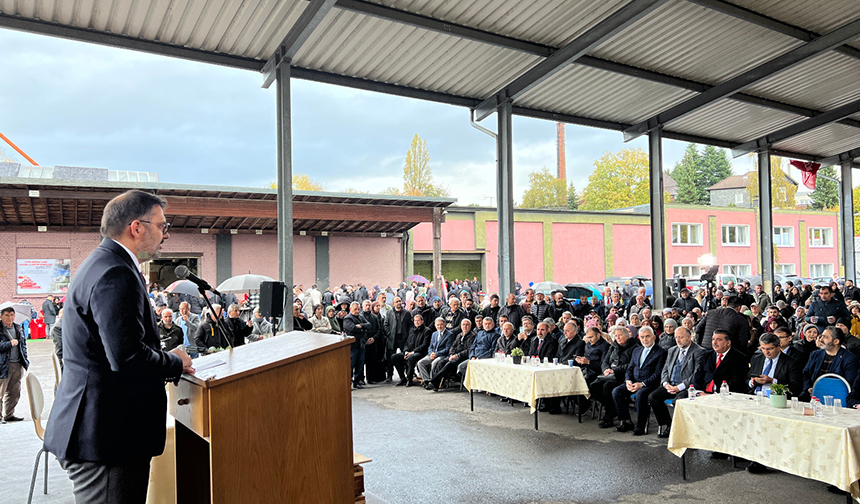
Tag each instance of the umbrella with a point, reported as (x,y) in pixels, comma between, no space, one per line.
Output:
(22,311)
(547,287)
(612,279)
(640,277)
(243,283)
(182,287)
(417,278)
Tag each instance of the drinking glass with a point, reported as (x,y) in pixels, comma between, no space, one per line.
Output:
(759,397)
(837,406)
(828,401)
(795,404)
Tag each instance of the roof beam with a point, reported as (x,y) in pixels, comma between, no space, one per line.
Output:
(311,17)
(125,42)
(806,51)
(591,39)
(839,158)
(764,143)
(770,23)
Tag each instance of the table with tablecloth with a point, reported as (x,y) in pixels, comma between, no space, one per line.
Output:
(525,382)
(824,449)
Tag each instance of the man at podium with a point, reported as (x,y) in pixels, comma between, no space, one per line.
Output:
(108,419)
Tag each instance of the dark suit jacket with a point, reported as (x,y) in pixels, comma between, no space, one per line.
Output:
(787,372)
(649,372)
(567,350)
(844,364)
(111,404)
(548,349)
(733,370)
(692,363)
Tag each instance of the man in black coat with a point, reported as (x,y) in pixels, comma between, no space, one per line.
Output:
(595,348)
(826,311)
(558,306)
(108,417)
(723,364)
(492,311)
(49,311)
(544,346)
(458,353)
(686,303)
(726,319)
(540,308)
(642,378)
(513,311)
(414,349)
(170,334)
(353,325)
(13,363)
(571,346)
(614,366)
(209,334)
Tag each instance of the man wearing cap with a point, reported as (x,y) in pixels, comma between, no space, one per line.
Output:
(13,363)
(686,302)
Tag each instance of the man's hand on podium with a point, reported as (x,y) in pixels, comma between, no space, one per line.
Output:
(186,360)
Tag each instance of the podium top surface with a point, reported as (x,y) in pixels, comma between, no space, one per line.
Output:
(230,365)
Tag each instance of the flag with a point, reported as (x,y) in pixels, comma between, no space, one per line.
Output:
(808,171)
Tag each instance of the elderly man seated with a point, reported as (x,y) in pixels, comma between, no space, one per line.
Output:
(413,350)
(614,369)
(642,378)
(679,372)
(458,353)
(485,341)
(437,353)
(508,340)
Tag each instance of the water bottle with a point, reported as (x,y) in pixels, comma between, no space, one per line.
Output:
(817,408)
(691,392)
(724,390)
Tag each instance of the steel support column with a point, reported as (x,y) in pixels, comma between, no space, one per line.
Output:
(765,220)
(846,208)
(658,220)
(505,198)
(285,189)
(437,248)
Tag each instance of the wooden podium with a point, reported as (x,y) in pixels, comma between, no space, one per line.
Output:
(267,422)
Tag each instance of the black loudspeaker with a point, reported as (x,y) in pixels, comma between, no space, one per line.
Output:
(271,299)
(680,284)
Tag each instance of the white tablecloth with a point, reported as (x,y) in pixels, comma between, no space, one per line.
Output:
(524,382)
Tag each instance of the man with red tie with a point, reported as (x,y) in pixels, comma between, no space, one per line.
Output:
(723,364)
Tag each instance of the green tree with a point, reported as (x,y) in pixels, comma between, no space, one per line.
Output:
(417,175)
(714,166)
(782,191)
(572,198)
(544,191)
(686,174)
(826,193)
(619,180)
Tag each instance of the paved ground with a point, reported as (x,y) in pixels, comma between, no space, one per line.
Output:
(429,447)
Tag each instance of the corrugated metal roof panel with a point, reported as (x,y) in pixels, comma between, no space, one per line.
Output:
(824,141)
(817,16)
(361,46)
(599,94)
(822,83)
(693,42)
(733,121)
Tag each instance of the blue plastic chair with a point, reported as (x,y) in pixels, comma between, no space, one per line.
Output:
(833,385)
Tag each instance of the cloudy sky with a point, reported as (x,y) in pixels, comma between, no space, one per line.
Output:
(76,104)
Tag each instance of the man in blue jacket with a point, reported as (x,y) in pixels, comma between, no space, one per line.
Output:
(830,358)
(108,419)
(437,354)
(643,377)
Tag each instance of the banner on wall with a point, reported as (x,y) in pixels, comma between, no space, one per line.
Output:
(43,276)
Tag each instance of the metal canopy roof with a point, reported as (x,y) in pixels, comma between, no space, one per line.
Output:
(27,203)
(708,71)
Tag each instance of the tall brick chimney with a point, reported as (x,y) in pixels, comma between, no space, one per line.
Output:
(559,141)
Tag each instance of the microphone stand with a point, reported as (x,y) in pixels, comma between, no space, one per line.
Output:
(227,332)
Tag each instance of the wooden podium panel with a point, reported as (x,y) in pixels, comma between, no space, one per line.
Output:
(273,425)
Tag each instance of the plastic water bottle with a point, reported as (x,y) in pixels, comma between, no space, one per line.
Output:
(817,408)
(691,392)
(724,390)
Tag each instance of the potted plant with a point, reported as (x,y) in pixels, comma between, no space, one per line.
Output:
(517,354)
(777,395)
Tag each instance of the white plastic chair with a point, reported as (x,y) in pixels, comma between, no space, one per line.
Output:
(37,403)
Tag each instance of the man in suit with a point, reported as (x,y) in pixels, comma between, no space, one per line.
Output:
(571,346)
(682,362)
(831,357)
(643,377)
(459,352)
(108,418)
(437,353)
(357,327)
(783,333)
(773,366)
(544,346)
(722,364)
(414,348)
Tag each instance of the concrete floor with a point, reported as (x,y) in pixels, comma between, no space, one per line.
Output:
(429,447)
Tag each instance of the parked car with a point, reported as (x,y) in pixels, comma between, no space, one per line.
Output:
(577,290)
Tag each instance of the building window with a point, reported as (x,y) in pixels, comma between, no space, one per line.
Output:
(820,237)
(783,236)
(739,198)
(784,269)
(686,234)
(737,269)
(736,236)
(821,270)
(686,270)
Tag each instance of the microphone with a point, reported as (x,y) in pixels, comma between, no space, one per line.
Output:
(184,273)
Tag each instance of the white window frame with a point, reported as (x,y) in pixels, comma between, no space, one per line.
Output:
(678,225)
(826,239)
(737,270)
(782,233)
(692,271)
(743,229)
(784,269)
(739,198)
(828,266)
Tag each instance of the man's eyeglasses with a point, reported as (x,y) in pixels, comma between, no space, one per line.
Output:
(164,225)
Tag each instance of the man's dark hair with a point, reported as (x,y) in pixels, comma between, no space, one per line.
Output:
(724,333)
(782,329)
(494,296)
(835,332)
(825,287)
(7,310)
(125,209)
(734,301)
(768,339)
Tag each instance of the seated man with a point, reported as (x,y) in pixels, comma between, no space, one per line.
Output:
(544,346)
(413,350)
(614,370)
(682,362)
(642,378)
(437,353)
(595,348)
(571,345)
(722,364)
(831,357)
(458,353)
(525,337)
(507,341)
(485,341)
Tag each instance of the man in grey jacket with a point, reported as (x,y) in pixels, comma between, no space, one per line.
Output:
(678,374)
